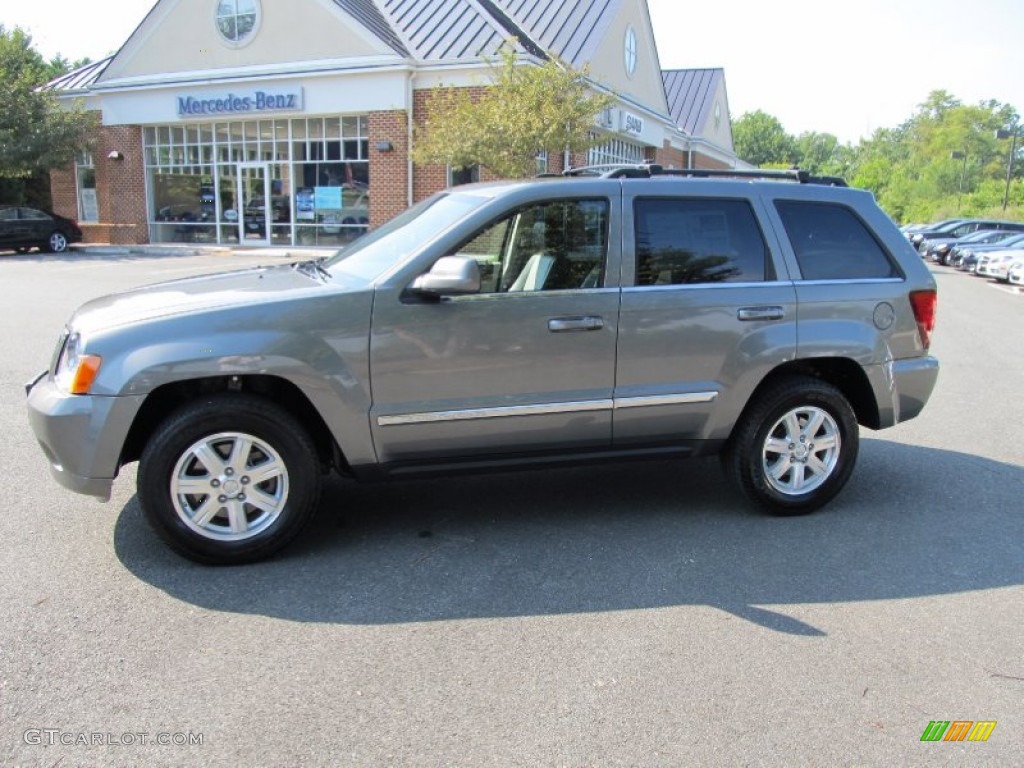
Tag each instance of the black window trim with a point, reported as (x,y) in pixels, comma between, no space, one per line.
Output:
(894,263)
(771,274)
(515,211)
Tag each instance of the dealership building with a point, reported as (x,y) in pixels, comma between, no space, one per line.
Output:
(289,123)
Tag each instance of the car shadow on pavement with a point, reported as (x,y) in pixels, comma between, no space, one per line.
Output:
(912,522)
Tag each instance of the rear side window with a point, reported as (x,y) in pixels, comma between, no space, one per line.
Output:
(832,243)
(692,240)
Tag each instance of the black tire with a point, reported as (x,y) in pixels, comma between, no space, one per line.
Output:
(236,527)
(57,242)
(764,441)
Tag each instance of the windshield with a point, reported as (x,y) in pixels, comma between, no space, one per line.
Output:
(378,251)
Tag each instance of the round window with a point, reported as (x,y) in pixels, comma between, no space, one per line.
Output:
(630,49)
(238,20)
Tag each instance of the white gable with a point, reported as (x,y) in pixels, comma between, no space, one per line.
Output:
(181,36)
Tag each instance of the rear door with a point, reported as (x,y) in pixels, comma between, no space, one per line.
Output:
(708,311)
(526,366)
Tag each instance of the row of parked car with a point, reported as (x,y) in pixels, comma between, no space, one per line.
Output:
(984,247)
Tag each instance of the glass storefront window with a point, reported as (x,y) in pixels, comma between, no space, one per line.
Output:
(315,171)
(85,179)
(183,205)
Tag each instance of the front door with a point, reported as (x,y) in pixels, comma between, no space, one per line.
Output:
(526,366)
(255,210)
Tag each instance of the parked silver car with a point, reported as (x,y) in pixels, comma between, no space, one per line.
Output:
(496,325)
(998,266)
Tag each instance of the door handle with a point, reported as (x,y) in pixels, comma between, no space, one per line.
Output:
(761,313)
(572,324)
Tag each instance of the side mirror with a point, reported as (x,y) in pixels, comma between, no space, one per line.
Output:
(450,275)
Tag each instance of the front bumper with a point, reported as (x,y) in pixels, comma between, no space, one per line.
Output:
(81,435)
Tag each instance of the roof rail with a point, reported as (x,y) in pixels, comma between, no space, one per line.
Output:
(647,170)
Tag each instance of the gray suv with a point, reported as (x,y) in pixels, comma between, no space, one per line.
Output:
(525,323)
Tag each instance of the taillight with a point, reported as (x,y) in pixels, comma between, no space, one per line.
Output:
(924,304)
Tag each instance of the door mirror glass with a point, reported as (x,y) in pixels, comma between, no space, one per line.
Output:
(450,275)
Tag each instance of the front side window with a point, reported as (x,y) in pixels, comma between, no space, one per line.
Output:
(553,246)
(681,241)
(237,19)
(831,243)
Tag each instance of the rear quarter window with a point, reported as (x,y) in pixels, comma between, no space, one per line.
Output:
(832,243)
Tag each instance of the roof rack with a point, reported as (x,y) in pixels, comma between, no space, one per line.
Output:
(647,170)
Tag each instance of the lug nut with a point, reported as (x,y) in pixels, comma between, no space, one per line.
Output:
(222,499)
(215,483)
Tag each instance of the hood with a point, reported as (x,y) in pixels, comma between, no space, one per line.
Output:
(204,293)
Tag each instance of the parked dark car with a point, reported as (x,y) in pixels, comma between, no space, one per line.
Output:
(956,228)
(965,255)
(914,232)
(22,228)
(965,227)
(939,249)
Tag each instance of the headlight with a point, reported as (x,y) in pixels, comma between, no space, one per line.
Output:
(76,370)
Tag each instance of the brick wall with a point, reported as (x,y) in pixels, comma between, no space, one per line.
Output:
(120,188)
(428,179)
(64,192)
(669,157)
(389,171)
(121,184)
(708,163)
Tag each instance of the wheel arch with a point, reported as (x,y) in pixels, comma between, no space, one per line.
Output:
(844,374)
(169,397)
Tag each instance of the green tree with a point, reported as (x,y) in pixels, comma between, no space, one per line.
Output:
(503,126)
(760,139)
(36,132)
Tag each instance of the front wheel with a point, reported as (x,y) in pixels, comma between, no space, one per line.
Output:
(229,479)
(795,447)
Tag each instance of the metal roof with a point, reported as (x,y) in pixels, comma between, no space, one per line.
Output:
(369,15)
(691,94)
(570,30)
(78,79)
(444,29)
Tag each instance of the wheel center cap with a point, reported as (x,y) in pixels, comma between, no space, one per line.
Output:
(231,487)
(801,452)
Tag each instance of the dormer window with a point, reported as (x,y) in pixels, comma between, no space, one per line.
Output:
(238,20)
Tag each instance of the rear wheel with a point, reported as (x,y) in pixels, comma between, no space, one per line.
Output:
(229,479)
(796,447)
(57,243)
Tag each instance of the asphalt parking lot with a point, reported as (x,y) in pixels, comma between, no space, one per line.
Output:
(634,615)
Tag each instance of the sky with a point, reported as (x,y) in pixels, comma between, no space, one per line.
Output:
(846,67)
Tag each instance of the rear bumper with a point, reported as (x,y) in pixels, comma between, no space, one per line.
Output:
(912,384)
